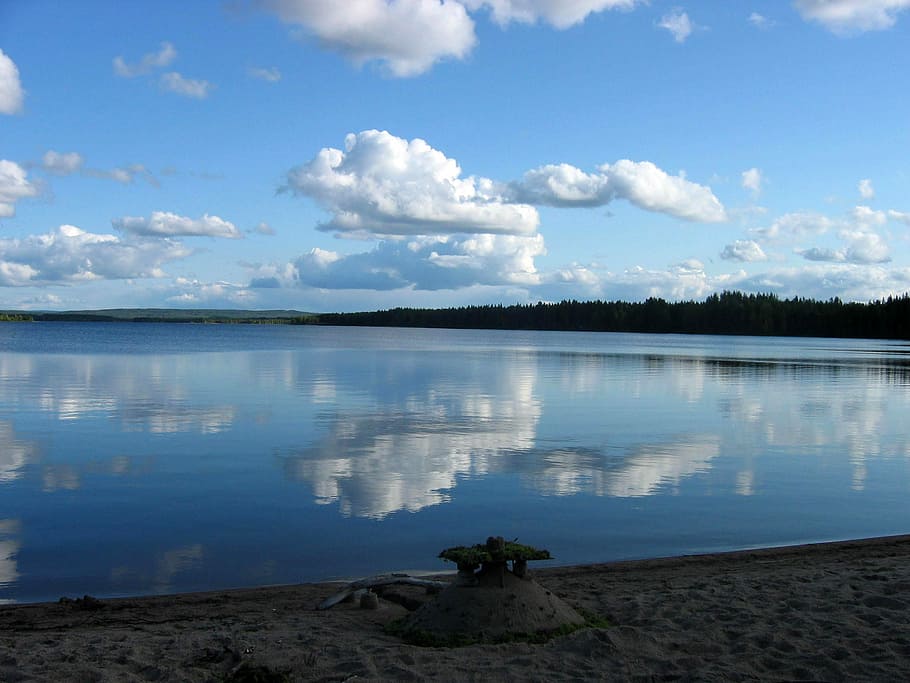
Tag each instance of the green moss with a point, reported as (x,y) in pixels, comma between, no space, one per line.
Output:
(478,554)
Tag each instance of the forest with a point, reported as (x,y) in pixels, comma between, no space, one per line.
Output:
(727,313)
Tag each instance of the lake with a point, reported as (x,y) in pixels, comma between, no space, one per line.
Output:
(142,458)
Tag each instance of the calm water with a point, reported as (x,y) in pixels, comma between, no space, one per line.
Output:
(143,458)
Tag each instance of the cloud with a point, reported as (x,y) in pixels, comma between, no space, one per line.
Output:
(264,228)
(124,174)
(171,81)
(747,251)
(271,74)
(752,180)
(651,188)
(193,292)
(866,218)
(13,186)
(822,281)
(678,24)
(642,183)
(900,216)
(406,36)
(385,185)
(564,185)
(865,247)
(686,280)
(791,226)
(866,191)
(11,93)
(165,224)
(188,87)
(760,21)
(149,62)
(852,16)
(426,263)
(70,254)
(557,13)
(862,244)
(61,163)
(823,254)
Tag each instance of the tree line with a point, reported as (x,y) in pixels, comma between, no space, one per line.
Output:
(733,313)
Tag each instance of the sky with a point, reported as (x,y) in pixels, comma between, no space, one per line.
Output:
(322,155)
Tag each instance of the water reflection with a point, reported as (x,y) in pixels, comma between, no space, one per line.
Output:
(853,417)
(409,453)
(60,477)
(168,566)
(183,458)
(14,453)
(9,548)
(643,471)
(146,393)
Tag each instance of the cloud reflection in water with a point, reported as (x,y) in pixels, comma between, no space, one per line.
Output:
(376,464)
(15,453)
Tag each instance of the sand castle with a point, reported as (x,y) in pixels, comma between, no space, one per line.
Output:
(493,598)
(490,600)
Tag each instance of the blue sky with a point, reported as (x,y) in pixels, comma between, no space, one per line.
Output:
(328,156)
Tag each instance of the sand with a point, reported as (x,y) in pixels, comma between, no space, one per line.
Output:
(817,612)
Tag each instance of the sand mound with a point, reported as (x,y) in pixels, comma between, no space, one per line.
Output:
(498,605)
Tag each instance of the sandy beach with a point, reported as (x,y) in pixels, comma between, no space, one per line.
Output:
(831,612)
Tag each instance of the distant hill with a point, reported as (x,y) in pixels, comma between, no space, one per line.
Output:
(169,315)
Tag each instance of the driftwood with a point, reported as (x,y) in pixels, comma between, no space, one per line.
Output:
(375,581)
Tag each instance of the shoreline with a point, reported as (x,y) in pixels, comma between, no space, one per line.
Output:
(820,611)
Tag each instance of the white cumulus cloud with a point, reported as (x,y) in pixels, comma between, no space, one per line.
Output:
(866,191)
(752,180)
(678,24)
(861,244)
(175,82)
(149,62)
(558,13)
(61,163)
(852,16)
(70,254)
(14,185)
(430,263)
(866,218)
(822,281)
(652,188)
(866,247)
(679,282)
(643,183)
(564,185)
(11,93)
(385,185)
(747,251)
(901,216)
(166,224)
(407,36)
